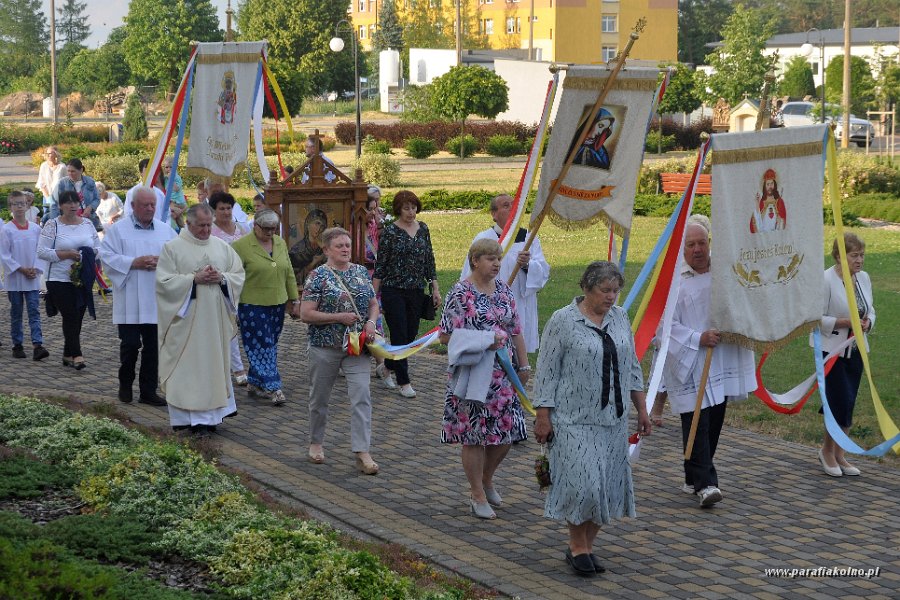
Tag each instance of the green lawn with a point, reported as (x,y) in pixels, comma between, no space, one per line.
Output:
(569,252)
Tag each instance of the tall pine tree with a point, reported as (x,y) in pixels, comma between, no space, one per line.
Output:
(389,33)
(72,24)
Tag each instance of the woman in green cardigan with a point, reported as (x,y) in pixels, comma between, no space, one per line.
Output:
(270,290)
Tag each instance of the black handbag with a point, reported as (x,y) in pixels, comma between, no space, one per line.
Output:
(428,310)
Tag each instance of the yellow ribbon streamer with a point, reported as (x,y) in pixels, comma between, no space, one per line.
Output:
(280,97)
(887,426)
(635,323)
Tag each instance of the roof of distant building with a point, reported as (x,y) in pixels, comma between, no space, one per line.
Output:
(833,37)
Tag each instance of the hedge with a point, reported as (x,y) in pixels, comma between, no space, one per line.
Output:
(439,131)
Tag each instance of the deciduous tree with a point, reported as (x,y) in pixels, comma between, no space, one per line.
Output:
(681,94)
(298,32)
(699,22)
(158,34)
(739,63)
(464,91)
(862,84)
(797,81)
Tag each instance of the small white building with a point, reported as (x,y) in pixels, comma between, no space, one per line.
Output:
(865,42)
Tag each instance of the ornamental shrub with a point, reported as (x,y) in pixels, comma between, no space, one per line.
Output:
(23,477)
(134,123)
(205,534)
(38,570)
(440,131)
(21,414)
(656,143)
(158,483)
(372,146)
(117,172)
(419,147)
(885,207)
(379,169)
(462,146)
(503,145)
(107,538)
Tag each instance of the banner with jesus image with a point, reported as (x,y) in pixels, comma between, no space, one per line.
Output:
(767,240)
(602,179)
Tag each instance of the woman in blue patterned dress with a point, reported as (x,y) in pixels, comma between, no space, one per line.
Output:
(338,296)
(586,369)
(485,430)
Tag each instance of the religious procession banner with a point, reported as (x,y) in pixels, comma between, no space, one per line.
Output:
(601,182)
(767,236)
(223,99)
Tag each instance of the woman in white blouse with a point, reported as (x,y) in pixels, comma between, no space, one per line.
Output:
(60,244)
(842,382)
(111,207)
(49,174)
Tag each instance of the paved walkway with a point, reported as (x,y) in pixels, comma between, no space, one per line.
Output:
(780,510)
(16,169)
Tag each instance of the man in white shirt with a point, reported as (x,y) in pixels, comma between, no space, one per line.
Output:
(130,251)
(731,374)
(160,196)
(533,273)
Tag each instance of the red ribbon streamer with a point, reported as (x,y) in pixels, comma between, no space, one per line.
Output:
(763,394)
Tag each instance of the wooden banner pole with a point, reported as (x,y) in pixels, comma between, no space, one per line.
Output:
(545,210)
(701,391)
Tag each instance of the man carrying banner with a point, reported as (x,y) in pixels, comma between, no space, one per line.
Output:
(534,271)
(731,372)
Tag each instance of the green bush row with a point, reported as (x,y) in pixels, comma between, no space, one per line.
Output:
(31,138)
(652,205)
(195,510)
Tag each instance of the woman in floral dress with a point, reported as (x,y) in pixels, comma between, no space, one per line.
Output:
(485,430)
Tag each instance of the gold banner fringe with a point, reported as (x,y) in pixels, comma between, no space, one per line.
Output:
(757,346)
(230,57)
(567,224)
(744,155)
(596,83)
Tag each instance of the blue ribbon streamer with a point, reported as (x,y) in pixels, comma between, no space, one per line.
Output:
(182,127)
(834,430)
(259,73)
(506,364)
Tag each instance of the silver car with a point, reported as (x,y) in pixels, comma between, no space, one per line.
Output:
(801,113)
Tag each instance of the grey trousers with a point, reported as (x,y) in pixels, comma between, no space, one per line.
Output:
(323,370)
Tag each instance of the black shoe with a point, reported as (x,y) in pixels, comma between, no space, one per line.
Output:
(40,353)
(597,566)
(18,351)
(153,400)
(125,394)
(581,564)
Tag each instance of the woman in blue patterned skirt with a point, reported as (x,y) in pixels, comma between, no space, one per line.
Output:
(586,370)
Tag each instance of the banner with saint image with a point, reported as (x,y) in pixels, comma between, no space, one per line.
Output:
(601,182)
(221,106)
(767,240)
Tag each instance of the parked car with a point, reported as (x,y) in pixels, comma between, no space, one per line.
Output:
(794,114)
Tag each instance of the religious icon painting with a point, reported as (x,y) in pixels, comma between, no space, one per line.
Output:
(227,99)
(769,212)
(601,182)
(598,147)
(305,224)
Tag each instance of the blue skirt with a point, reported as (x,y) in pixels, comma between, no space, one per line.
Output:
(260,328)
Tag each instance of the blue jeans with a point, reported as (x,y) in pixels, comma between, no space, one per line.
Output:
(33,301)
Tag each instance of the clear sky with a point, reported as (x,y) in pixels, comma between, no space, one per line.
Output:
(104,15)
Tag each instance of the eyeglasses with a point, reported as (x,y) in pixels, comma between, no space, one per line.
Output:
(268,229)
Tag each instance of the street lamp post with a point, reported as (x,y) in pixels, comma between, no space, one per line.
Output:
(806,50)
(337,44)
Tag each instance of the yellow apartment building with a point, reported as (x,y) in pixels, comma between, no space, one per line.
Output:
(576,31)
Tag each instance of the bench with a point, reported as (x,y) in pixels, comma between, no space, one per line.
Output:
(676,183)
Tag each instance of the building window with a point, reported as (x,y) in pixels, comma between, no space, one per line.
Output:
(608,53)
(518,24)
(362,32)
(608,24)
(489,26)
(362,5)
(510,25)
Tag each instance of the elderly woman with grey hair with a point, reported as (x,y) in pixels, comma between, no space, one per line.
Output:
(586,368)
(270,289)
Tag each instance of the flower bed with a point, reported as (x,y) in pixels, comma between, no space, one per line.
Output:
(193,510)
